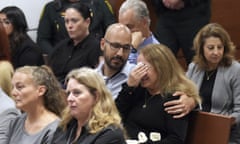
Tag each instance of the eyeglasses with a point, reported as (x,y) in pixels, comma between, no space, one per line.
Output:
(116,46)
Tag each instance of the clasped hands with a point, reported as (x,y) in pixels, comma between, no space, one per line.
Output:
(173,4)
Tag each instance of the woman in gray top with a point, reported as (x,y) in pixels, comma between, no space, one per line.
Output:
(217,74)
(7,112)
(37,93)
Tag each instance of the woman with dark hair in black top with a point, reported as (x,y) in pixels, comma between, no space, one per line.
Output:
(23,50)
(81,49)
(52,30)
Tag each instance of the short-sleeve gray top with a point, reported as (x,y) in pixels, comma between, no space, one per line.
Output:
(18,135)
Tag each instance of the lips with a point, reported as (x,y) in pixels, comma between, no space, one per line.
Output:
(216,59)
(117,60)
(16,100)
(72,107)
(70,32)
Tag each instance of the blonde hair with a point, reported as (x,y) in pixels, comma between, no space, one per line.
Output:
(6,71)
(104,112)
(213,30)
(54,96)
(171,76)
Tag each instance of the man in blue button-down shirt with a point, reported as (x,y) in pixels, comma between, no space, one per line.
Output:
(115,68)
(116,46)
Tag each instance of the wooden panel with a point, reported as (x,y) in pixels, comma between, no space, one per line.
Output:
(226,13)
(208,128)
(152,14)
(116,5)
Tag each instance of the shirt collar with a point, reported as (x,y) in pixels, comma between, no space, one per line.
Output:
(125,70)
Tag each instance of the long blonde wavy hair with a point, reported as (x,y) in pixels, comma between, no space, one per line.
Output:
(104,112)
(171,76)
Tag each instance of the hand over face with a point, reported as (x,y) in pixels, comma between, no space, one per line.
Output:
(137,74)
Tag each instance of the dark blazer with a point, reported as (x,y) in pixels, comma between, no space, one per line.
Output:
(108,135)
(28,53)
(193,6)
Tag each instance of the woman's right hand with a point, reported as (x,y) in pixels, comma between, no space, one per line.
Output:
(137,74)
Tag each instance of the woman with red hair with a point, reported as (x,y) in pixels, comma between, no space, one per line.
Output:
(6,68)
(4,44)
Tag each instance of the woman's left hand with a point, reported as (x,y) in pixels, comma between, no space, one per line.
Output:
(174,4)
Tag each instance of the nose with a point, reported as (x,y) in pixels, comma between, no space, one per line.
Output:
(69,25)
(14,92)
(216,50)
(120,52)
(70,97)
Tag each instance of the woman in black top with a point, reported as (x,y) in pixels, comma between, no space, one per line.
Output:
(149,86)
(23,50)
(91,116)
(82,49)
(52,30)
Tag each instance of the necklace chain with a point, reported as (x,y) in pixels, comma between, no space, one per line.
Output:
(147,99)
(209,74)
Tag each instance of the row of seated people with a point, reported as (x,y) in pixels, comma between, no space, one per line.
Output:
(52,27)
(212,51)
(153,98)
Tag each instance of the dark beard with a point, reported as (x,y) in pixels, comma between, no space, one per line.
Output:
(116,68)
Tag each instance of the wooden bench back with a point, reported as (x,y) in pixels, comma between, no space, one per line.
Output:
(208,128)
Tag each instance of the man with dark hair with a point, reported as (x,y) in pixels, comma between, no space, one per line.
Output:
(116,47)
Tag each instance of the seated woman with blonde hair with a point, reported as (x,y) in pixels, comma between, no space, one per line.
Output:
(6,71)
(141,101)
(91,116)
(39,95)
